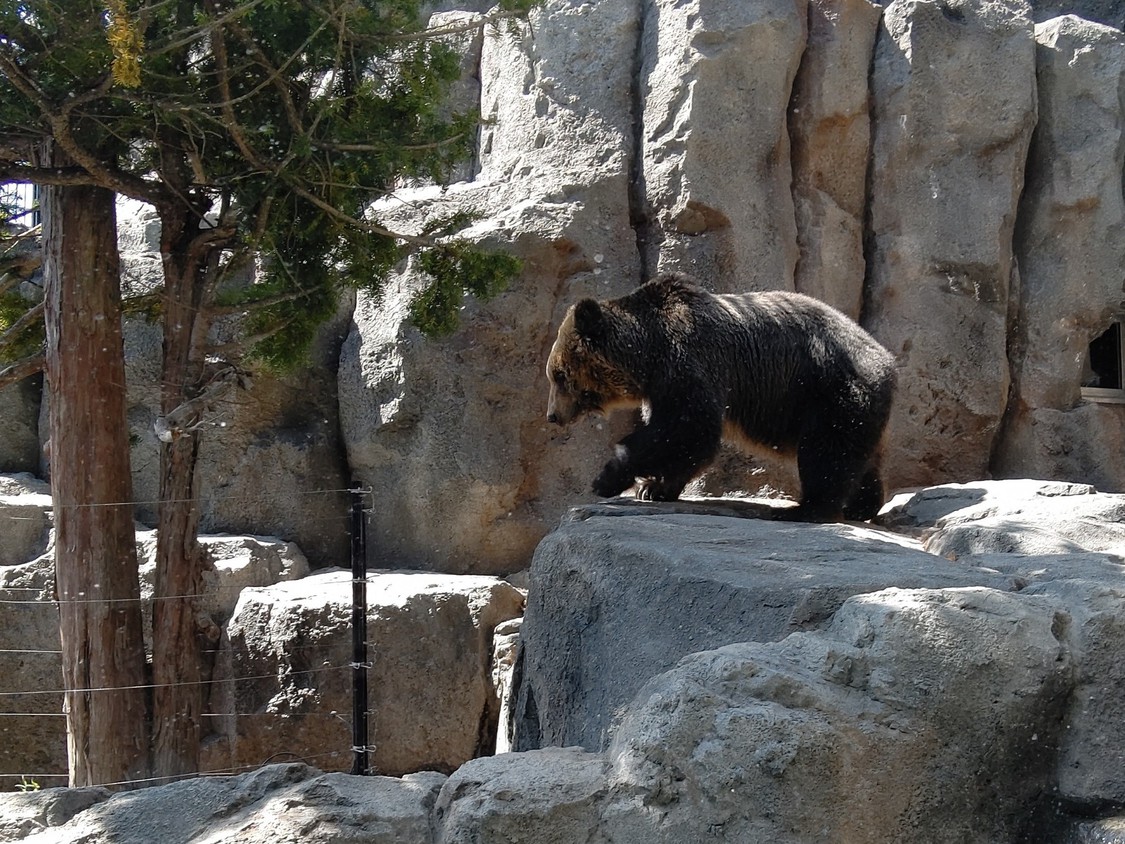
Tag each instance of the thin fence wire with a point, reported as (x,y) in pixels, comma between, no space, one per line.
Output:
(55,602)
(233,770)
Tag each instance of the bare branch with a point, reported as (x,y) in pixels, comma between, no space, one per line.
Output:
(330,147)
(31,315)
(184,418)
(21,369)
(17,268)
(59,176)
(254,304)
(240,348)
(59,121)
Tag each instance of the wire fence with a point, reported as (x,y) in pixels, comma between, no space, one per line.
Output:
(42,596)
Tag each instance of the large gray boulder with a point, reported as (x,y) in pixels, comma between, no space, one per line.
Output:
(274,804)
(549,796)
(25,518)
(270,457)
(285,671)
(714,84)
(953,89)
(830,126)
(32,727)
(1013,516)
(1070,255)
(19,426)
(916,715)
(640,586)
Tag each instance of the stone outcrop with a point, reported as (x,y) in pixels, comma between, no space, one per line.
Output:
(277,803)
(271,460)
(279,665)
(19,426)
(32,727)
(713,90)
(640,588)
(830,127)
(284,683)
(953,89)
(681,134)
(25,518)
(986,713)
(917,714)
(1071,252)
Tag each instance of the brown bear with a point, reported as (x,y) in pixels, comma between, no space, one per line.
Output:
(777,370)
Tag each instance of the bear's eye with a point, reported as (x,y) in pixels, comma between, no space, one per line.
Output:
(559,377)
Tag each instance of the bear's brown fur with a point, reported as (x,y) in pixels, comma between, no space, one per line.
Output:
(773,369)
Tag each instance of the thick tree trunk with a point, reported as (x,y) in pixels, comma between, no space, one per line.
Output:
(176,641)
(95,551)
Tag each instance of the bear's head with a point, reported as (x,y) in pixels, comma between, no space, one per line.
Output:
(589,368)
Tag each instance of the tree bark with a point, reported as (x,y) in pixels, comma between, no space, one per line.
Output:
(176,639)
(95,551)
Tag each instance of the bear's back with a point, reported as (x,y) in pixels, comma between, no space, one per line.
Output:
(784,356)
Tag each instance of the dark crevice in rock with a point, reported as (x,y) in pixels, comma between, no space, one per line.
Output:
(868,191)
(797,144)
(640,213)
(523,727)
(1015,341)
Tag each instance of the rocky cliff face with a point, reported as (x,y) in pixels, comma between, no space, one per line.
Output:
(949,173)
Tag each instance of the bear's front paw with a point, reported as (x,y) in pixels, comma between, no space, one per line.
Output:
(657,489)
(613,480)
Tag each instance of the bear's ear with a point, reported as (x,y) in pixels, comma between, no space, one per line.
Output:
(589,321)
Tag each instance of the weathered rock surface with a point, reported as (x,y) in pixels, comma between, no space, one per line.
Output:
(715,81)
(19,426)
(550,796)
(32,728)
(25,518)
(907,217)
(456,427)
(954,108)
(830,126)
(985,713)
(1070,250)
(641,586)
(279,803)
(916,715)
(1015,516)
(271,460)
(285,671)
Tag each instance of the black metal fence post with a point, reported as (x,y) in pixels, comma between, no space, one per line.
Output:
(359,631)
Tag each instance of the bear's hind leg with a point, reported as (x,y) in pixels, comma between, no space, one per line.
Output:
(830,473)
(867,500)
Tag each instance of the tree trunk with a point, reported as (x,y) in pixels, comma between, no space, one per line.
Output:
(95,551)
(176,640)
